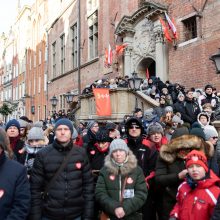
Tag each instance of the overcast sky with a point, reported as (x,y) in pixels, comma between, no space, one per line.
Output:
(8,12)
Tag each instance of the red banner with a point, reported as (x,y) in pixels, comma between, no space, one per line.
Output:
(102,101)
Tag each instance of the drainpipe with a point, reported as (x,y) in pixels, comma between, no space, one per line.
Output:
(79,49)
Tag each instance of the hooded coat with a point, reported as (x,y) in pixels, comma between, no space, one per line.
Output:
(110,186)
(199,203)
(170,164)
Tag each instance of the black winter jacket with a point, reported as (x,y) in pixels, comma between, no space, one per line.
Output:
(14,190)
(145,152)
(192,110)
(72,193)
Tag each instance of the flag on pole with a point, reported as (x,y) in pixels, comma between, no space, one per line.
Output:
(119,49)
(171,25)
(147,74)
(102,101)
(108,56)
(165,30)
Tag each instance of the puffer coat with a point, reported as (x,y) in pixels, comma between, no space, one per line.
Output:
(72,193)
(110,186)
(169,165)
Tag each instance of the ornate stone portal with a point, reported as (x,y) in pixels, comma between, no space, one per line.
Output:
(143,33)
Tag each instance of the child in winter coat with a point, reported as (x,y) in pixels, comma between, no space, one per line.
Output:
(197,196)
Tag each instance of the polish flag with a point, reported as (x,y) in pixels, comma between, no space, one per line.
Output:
(108,56)
(165,30)
(171,25)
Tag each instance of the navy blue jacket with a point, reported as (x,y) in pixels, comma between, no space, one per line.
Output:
(15,194)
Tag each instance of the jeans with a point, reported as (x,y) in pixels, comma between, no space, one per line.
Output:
(45,218)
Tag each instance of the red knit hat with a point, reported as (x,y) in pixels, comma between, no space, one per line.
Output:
(197,157)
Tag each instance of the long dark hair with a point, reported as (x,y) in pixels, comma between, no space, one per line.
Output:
(5,143)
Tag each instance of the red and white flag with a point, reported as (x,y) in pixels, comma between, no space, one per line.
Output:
(165,30)
(171,25)
(108,56)
(119,49)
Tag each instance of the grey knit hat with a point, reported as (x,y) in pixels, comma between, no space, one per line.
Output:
(155,127)
(177,119)
(210,132)
(91,124)
(118,144)
(168,109)
(23,123)
(35,133)
(180,94)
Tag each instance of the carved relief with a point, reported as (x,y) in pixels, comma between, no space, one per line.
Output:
(144,40)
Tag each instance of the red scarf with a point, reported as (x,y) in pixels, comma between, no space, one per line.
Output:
(13,141)
(102,150)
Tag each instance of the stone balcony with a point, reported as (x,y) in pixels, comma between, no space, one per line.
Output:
(123,102)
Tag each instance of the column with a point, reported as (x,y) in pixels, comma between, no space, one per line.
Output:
(161,56)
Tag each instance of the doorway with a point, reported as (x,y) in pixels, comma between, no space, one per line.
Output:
(144,64)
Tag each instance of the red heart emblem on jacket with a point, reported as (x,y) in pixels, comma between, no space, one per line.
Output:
(78,165)
(1,193)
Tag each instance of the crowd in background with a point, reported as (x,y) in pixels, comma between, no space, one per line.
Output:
(162,163)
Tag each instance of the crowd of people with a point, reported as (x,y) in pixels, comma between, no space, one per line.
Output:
(159,164)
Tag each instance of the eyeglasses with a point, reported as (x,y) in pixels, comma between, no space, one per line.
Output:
(215,137)
(134,127)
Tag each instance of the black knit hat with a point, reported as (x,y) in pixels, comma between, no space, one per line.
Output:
(134,121)
(110,126)
(64,121)
(12,122)
(198,132)
(103,135)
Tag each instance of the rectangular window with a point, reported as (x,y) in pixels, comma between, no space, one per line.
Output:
(190,28)
(74,45)
(54,58)
(62,48)
(93,35)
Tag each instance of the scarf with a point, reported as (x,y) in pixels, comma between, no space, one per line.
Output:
(13,142)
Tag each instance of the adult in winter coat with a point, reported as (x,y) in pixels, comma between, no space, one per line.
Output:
(71,194)
(191,108)
(121,190)
(197,196)
(12,129)
(14,187)
(90,137)
(170,168)
(146,154)
(179,104)
(210,97)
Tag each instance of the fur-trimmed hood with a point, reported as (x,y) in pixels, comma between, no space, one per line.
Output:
(169,152)
(130,165)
